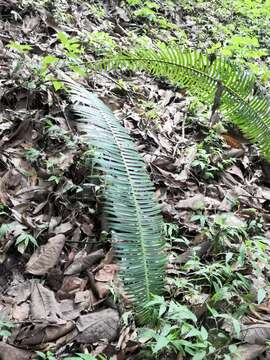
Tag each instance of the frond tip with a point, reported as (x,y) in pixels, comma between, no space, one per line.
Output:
(132,211)
(241,101)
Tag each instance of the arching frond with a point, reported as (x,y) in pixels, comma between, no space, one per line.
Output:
(241,100)
(130,205)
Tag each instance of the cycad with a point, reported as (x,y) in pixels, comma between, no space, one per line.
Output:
(241,101)
(132,211)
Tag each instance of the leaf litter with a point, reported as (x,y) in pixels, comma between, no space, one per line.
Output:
(59,292)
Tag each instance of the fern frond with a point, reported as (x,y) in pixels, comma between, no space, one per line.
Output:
(241,101)
(132,211)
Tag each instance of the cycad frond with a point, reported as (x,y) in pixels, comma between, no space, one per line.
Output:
(132,211)
(241,100)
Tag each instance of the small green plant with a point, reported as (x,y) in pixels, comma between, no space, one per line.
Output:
(25,239)
(150,110)
(46,356)
(176,330)
(209,161)
(21,48)
(5,229)
(5,328)
(101,42)
(32,154)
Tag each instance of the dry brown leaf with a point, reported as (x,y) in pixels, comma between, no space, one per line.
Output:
(21,312)
(63,228)
(35,334)
(47,256)
(99,325)
(83,262)
(8,352)
(197,202)
(29,23)
(44,305)
(255,333)
(102,288)
(248,352)
(106,273)
(71,284)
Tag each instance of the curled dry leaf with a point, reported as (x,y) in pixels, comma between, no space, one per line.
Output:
(99,325)
(47,256)
(83,262)
(106,273)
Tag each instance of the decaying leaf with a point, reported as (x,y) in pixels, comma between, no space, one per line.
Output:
(44,305)
(248,352)
(98,325)
(47,256)
(8,352)
(255,333)
(83,262)
(106,273)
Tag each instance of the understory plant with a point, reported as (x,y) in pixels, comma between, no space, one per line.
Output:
(215,81)
(132,212)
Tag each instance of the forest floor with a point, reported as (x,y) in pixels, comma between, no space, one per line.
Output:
(59,292)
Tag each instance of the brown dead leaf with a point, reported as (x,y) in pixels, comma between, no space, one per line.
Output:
(36,334)
(197,202)
(29,23)
(107,273)
(98,325)
(257,333)
(44,305)
(249,352)
(103,289)
(83,262)
(47,256)
(63,228)
(70,286)
(8,352)
(21,312)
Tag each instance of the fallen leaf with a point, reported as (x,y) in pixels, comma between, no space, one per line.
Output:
(107,273)
(47,256)
(71,284)
(248,352)
(8,352)
(44,305)
(255,333)
(197,202)
(98,325)
(83,262)
(21,312)
(29,23)
(63,228)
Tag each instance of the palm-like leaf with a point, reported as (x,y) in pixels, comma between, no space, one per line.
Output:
(132,211)
(241,100)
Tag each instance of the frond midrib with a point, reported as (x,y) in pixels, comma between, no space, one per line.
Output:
(138,218)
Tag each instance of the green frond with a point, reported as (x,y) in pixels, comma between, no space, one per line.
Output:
(242,102)
(130,205)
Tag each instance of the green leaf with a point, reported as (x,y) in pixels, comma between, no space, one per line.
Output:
(241,100)
(130,205)
(161,343)
(261,294)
